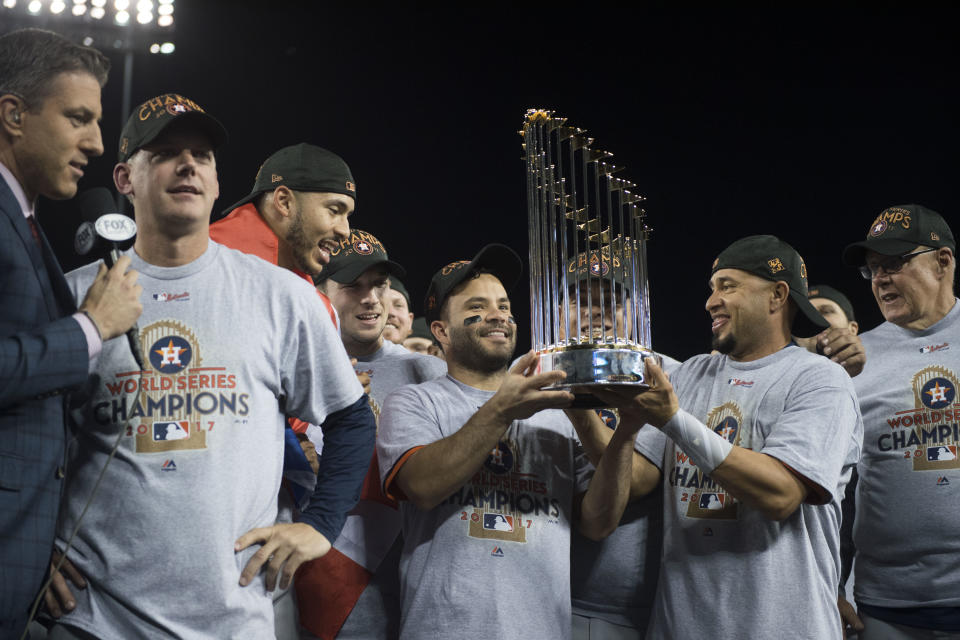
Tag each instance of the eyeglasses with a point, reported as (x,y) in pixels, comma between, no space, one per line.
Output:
(890,265)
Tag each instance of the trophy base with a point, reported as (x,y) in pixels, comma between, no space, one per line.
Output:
(593,365)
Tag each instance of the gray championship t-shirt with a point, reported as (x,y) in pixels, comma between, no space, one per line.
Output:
(727,571)
(908,508)
(493,560)
(615,579)
(225,338)
(371,535)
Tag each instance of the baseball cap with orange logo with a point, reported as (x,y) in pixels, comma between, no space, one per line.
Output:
(302,167)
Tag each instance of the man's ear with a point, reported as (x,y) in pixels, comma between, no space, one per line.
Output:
(11,114)
(121,178)
(779,295)
(439,330)
(284,201)
(853,326)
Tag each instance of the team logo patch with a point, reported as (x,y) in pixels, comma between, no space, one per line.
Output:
(362,247)
(500,460)
(934,236)
(728,428)
(170,354)
(938,393)
(168,465)
(879,226)
(610,417)
(275,178)
(497,522)
(178,108)
(599,267)
(775,265)
(351,186)
(497,552)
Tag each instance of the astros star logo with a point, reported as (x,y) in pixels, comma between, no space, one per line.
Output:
(362,246)
(179,108)
(170,354)
(938,393)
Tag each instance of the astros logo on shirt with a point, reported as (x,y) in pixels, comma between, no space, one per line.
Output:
(935,394)
(711,501)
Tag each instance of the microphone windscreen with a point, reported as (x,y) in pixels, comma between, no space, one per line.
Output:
(96,202)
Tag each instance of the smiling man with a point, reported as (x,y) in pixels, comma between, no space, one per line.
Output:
(490,480)
(907,571)
(363,602)
(175,542)
(396,301)
(763,437)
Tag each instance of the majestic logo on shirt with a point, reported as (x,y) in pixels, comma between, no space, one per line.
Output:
(943,481)
(929,433)
(497,552)
(168,465)
(703,496)
(170,297)
(935,347)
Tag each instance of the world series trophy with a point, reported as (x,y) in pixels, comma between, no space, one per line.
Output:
(589,302)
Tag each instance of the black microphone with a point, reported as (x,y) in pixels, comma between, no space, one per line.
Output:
(103,234)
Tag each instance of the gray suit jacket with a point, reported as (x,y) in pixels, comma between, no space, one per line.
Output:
(43,353)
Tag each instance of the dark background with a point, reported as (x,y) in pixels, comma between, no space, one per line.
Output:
(801,122)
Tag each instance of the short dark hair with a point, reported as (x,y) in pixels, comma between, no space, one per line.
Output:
(30,59)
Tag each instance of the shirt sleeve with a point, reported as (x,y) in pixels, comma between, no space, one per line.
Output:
(651,443)
(408,422)
(348,439)
(813,434)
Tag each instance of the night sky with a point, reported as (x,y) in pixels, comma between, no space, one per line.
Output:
(803,123)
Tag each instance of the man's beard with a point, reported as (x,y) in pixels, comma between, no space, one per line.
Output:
(300,246)
(724,345)
(468,349)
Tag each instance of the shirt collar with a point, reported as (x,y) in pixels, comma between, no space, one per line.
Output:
(18,193)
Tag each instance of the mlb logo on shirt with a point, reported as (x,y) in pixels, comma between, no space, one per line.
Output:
(712,501)
(171,431)
(941,453)
(497,522)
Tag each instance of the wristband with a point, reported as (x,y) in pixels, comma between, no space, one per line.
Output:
(94,323)
(705,448)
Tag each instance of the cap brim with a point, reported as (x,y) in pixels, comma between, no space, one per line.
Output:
(236,205)
(810,316)
(354,271)
(855,255)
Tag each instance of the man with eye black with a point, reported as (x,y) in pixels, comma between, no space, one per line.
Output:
(907,571)
(490,475)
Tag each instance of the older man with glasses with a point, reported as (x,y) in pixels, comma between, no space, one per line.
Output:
(908,554)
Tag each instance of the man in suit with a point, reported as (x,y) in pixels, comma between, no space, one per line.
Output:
(49,129)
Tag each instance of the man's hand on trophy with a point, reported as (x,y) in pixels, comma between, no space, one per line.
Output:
(654,405)
(521,393)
